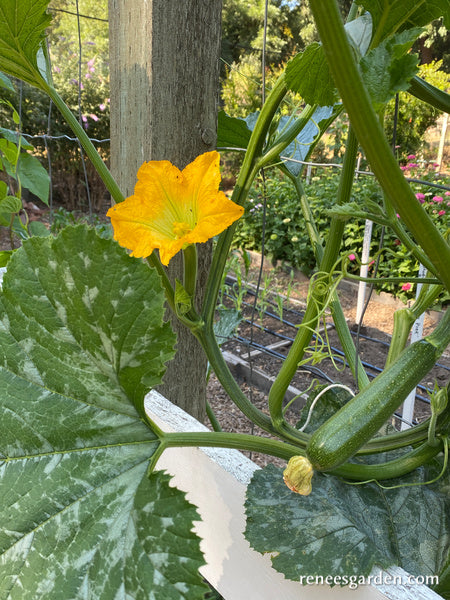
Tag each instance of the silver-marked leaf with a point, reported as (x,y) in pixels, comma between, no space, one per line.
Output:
(342,529)
(78,305)
(298,150)
(82,339)
(226,325)
(22,33)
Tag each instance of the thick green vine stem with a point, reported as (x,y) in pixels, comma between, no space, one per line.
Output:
(237,441)
(88,146)
(247,174)
(429,93)
(362,116)
(391,469)
(207,339)
(328,257)
(347,430)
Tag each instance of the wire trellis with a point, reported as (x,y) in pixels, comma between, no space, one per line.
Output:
(48,138)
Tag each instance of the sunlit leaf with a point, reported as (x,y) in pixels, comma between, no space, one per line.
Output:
(22,32)
(388,68)
(392,16)
(5,82)
(308,74)
(232,132)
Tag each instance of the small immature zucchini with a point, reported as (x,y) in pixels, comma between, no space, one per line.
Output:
(339,438)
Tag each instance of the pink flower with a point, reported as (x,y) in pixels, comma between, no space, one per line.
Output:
(441,212)
(412,165)
(102,107)
(447,193)
(93,117)
(411,157)
(420,197)
(351,257)
(403,168)
(437,199)
(406,287)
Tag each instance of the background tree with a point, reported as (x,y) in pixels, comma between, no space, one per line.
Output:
(164,107)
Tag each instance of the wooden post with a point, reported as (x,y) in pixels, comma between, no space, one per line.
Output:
(164,68)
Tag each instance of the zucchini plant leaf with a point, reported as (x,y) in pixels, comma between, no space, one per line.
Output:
(342,529)
(5,255)
(308,74)
(388,68)
(298,150)
(232,132)
(392,16)
(82,339)
(22,33)
(226,325)
(329,402)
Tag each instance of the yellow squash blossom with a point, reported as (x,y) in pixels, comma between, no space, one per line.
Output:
(171,208)
(298,474)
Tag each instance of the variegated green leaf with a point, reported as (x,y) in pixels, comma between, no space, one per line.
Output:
(82,339)
(342,529)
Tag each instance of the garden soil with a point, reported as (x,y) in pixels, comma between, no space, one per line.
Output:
(256,331)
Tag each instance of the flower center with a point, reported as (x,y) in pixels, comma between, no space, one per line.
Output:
(181,229)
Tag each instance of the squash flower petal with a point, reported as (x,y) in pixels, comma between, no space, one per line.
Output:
(171,208)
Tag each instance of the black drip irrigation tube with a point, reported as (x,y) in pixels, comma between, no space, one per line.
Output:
(271,352)
(339,355)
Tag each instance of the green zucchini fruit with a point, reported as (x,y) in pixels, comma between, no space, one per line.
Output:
(339,438)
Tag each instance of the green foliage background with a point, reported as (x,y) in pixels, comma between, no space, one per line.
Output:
(286,239)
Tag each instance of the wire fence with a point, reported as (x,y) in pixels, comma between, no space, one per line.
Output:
(49,138)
